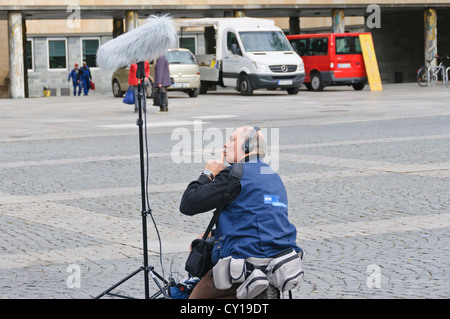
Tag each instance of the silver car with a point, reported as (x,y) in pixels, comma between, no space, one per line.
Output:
(183,68)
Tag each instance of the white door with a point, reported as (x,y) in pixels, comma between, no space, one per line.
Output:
(232,59)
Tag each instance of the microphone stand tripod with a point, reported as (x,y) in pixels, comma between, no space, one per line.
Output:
(148,270)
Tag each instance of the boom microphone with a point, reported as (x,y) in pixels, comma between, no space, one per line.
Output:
(146,42)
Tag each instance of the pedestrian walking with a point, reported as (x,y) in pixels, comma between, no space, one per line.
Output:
(162,81)
(76,81)
(133,81)
(86,78)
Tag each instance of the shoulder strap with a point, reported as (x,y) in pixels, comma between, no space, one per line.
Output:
(235,174)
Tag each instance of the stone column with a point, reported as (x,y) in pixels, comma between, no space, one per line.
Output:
(16,65)
(131,20)
(117,27)
(24,48)
(430,24)
(294,25)
(337,21)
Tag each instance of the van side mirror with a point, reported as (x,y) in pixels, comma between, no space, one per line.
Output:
(235,49)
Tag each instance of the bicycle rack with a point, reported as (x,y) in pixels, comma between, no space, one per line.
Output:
(442,70)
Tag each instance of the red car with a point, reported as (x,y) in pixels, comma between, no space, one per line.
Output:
(331,59)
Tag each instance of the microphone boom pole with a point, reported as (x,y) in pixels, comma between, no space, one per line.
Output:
(147,42)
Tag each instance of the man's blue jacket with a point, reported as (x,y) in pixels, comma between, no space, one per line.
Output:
(256,223)
(74,75)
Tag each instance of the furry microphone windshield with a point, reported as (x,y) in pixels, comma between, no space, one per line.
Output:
(146,42)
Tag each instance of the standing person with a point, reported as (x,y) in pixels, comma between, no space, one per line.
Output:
(133,81)
(75,76)
(86,78)
(162,81)
(254,221)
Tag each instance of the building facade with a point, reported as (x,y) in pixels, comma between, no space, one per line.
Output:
(53,48)
(43,41)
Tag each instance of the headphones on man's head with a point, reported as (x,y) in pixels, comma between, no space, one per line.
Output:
(248,145)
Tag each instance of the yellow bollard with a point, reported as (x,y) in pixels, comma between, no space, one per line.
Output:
(46,91)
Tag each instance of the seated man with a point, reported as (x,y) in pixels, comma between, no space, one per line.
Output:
(254,221)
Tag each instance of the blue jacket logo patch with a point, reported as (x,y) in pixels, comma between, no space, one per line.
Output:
(274,201)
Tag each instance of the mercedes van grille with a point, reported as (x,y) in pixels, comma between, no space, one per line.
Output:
(283,68)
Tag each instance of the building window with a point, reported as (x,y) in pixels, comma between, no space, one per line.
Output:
(30,54)
(57,54)
(89,49)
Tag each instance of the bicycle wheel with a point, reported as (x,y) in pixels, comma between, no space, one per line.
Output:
(422,76)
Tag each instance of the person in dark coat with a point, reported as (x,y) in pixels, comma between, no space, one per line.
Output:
(162,81)
(86,78)
(76,81)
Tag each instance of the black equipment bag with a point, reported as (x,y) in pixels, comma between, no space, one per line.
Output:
(199,260)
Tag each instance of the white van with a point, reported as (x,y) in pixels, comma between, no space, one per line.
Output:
(248,54)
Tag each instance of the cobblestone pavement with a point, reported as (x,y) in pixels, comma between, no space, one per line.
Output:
(367,175)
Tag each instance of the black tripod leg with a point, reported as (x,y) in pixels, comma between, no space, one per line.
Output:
(106,292)
(155,277)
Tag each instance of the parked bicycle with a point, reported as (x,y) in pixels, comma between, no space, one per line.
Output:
(423,73)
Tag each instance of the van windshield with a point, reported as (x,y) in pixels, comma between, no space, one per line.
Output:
(180,57)
(264,41)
